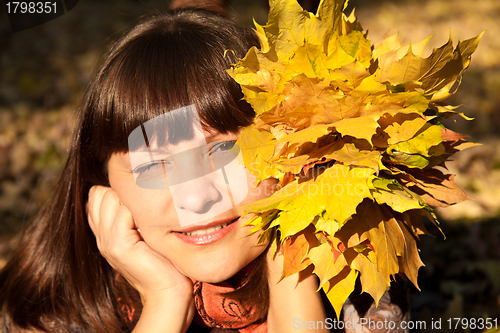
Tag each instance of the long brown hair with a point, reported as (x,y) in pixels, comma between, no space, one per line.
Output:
(57,280)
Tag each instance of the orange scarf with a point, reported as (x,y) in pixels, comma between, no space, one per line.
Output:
(216,310)
(212,308)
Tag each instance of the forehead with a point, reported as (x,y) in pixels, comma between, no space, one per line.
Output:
(159,143)
(170,128)
(122,160)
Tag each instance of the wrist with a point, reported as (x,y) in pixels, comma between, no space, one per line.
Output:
(165,312)
(294,297)
(163,298)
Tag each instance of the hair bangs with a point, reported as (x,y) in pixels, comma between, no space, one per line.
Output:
(164,66)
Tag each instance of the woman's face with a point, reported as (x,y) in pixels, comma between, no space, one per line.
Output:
(190,215)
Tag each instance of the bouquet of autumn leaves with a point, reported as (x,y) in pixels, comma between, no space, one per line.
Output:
(353,134)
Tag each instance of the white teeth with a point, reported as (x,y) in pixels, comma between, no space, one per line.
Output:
(206,231)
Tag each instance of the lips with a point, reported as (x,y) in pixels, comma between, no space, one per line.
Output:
(206,231)
(207,234)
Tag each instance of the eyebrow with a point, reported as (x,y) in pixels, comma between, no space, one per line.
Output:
(210,136)
(144,149)
(215,135)
(163,150)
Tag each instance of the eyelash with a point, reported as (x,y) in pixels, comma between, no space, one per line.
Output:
(226,145)
(149,166)
(221,144)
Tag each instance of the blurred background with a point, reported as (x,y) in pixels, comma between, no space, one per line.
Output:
(44,71)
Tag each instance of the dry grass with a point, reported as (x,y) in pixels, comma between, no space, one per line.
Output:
(44,71)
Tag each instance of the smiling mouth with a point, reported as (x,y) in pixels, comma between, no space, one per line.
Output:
(213,228)
(206,234)
(208,230)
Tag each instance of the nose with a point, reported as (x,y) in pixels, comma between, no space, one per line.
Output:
(195,184)
(197,195)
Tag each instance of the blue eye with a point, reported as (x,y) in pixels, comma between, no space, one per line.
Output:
(222,147)
(150,166)
(151,175)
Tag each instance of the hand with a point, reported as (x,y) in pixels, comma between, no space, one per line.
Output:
(293,300)
(158,282)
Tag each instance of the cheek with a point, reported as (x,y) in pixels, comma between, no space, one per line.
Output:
(146,206)
(262,191)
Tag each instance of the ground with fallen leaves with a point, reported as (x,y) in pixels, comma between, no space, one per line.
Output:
(44,71)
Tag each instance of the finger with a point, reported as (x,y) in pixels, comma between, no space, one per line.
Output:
(108,203)
(89,207)
(123,229)
(96,194)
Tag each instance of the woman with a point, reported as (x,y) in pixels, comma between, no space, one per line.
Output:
(102,232)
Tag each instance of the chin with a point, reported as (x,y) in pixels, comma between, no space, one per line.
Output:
(213,268)
(209,274)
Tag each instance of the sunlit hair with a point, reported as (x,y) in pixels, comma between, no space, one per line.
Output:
(57,280)
(164,63)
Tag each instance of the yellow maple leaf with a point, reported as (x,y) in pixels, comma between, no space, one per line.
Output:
(372,281)
(338,288)
(296,215)
(295,251)
(326,265)
(402,126)
(257,147)
(390,192)
(353,135)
